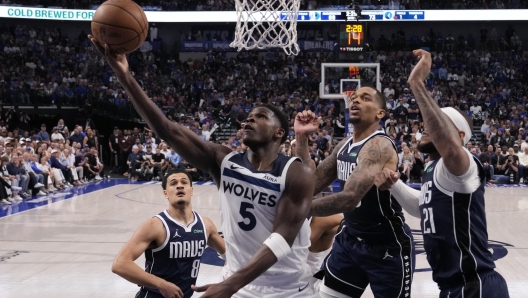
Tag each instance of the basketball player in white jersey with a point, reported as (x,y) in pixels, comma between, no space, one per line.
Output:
(173,242)
(265,197)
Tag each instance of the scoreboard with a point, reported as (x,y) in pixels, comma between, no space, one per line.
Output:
(352,37)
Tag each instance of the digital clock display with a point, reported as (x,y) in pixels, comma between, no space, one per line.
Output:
(352,37)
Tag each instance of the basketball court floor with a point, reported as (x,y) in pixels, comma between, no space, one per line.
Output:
(64,245)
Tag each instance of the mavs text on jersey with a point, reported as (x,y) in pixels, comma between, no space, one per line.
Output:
(177,260)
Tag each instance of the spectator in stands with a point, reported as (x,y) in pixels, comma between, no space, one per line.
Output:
(90,139)
(48,181)
(134,161)
(55,164)
(68,160)
(407,162)
(419,163)
(14,168)
(43,135)
(56,135)
(12,180)
(523,161)
(174,158)
(36,179)
(54,174)
(488,159)
(159,164)
(126,148)
(115,150)
(193,171)
(98,165)
(62,129)
(76,136)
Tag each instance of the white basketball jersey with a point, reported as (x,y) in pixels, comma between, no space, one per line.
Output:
(249,200)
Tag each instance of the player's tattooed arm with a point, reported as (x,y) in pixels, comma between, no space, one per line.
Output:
(375,154)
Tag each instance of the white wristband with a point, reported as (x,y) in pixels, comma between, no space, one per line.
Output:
(278,245)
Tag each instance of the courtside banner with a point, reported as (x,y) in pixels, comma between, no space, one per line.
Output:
(303,16)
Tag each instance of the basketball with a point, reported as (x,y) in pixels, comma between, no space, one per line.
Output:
(121,24)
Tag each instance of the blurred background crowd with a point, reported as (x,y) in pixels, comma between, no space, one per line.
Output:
(484,74)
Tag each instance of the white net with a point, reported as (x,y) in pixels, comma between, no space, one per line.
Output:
(347,96)
(263,24)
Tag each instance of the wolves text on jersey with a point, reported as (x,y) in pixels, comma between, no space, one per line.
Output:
(253,195)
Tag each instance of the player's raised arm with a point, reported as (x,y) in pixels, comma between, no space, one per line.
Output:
(204,155)
(152,231)
(439,125)
(376,154)
(326,172)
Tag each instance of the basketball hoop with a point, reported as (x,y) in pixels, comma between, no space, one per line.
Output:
(263,24)
(347,96)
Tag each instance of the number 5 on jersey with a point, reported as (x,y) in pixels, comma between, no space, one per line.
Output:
(248,216)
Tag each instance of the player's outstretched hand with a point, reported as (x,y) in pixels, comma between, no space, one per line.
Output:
(118,62)
(386,178)
(220,290)
(306,123)
(423,68)
(170,290)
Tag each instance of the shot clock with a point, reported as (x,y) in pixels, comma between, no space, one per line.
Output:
(352,37)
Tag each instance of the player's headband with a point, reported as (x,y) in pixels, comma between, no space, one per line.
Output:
(459,121)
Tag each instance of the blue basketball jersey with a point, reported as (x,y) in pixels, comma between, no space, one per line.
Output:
(378,218)
(454,230)
(177,260)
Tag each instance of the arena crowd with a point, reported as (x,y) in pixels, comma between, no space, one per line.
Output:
(213,95)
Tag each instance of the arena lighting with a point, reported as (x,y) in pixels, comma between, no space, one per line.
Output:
(304,16)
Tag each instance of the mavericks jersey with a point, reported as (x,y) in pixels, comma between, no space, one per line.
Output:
(454,230)
(378,218)
(249,200)
(177,260)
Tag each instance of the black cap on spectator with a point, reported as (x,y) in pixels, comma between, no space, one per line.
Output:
(43,125)
(115,127)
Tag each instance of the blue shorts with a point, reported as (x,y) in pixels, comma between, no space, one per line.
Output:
(353,264)
(490,285)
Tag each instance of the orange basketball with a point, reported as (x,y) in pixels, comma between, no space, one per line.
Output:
(121,24)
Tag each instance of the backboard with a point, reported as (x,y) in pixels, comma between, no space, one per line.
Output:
(336,78)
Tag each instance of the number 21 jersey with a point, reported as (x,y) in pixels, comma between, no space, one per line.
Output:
(454,227)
